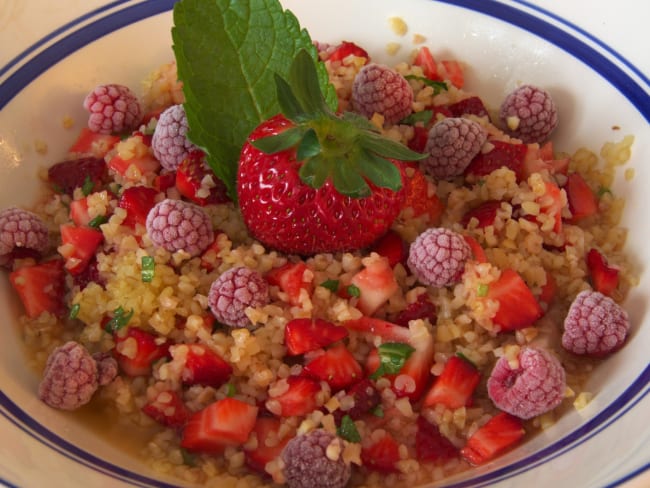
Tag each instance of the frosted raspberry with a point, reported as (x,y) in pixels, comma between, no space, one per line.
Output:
(437,257)
(70,378)
(113,108)
(529,113)
(595,325)
(106,368)
(22,229)
(177,225)
(452,143)
(234,291)
(169,142)
(308,463)
(379,89)
(534,387)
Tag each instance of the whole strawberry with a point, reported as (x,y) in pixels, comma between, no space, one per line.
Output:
(310,181)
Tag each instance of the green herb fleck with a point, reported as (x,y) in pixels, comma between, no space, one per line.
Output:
(465,358)
(602,191)
(354,291)
(423,116)
(482,290)
(119,320)
(378,411)
(189,458)
(148,269)
(74,311)
(87,187)
(331,285)
(231,390)
(438,86)
(347,430)
(97,221)
(392,356)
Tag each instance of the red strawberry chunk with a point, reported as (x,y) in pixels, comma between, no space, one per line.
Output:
(421,308)
(518,307)
(345,49)
(137,201)
(226,422)
(210,259)
(452,71)
(419,140)
(604,277)
(79,212)
(425,60)
(292,279)
(68,175)
(298,399)
(164,181)
(485,214)
(137,356)
(91,143)
(196,181)
(499,433)
(582,200)
(430,444)
(392,247)
(269,443)
(41,287)
(304,335)
(382,455)
(478,253)
(468,106)
(167,408)
(455,385)
(376,283)
(78,246)
(365,396)
(336,366)
(421,197)
(502,154)
(202,366)
(551,204)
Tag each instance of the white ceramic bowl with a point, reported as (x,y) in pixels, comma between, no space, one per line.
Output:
(52,55)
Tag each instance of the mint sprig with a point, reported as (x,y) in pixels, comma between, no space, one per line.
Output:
(228,55)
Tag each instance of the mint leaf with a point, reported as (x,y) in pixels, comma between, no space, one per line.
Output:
(227,55)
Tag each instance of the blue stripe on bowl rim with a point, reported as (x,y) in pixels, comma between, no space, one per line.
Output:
(31,63)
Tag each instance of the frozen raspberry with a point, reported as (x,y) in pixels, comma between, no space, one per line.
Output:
(379,89)
(437,257)
(534,387)
(529,113)
(235,290)
(106,368)
(310,462)
(113,108)
(177,225)
(22,229)
(169,142)
(595,325)
(70,378)
(452,143)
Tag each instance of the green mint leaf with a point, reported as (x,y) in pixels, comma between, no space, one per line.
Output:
(279,142)
(354,291)
(231,390)
(148,269)
(438,86)
(392,357)
(227,55)
(120,319)
(331,285)
(97,221)
(424,116)
(87,187)
(347,430)
(378,411)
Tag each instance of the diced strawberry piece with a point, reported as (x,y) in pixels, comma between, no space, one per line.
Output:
(202,366)
(91,143)
(300,398)
(468,106)
(540,159)
(41,287)
(546,151)
(144,165)
(549,290)
(68,175)
(153,114)
(604,277)
(78,246)
(164,181)
(425,60)
(346,49)
(453,71)
(79,212)
(196,181)
(421,196)
(292,279)
(419,140)
(366,397)
(143,349)
(376,283)
(210,259)
(388,331)
(137,201)
(269,445)
(582,200)
(226,422)
(518,307)
(485,213)
(478,253)
(392,247)
(455,385)
(430,444)
(499,433)
(303,335)
(421,308)
(382,455)
(90,274)
(551,204)
(167,408)
(502,154)
(336,366)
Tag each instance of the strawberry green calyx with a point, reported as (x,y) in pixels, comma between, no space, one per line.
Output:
(346,148)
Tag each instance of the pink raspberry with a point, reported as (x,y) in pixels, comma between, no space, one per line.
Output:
(595,325)
(22,229)
(169,142)
(536,386)
(113,108)
(437,257)
(529,113)
(106,368)
(177,225)
(379,89)
(70,378)
(452,143)
(235,290)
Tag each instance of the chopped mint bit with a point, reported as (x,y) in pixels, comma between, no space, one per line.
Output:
(347,430)
(87,187)
(189,458)
(148,269)
(438,86)
(228,55)
(392,356)
(424,117)
(482,290)
(231,390)
(354,291)
(602,190)
(331,285)
(97,221)
(119,320)
(74,311)
(378,411)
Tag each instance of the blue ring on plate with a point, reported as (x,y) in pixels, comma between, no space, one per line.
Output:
(625,84)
